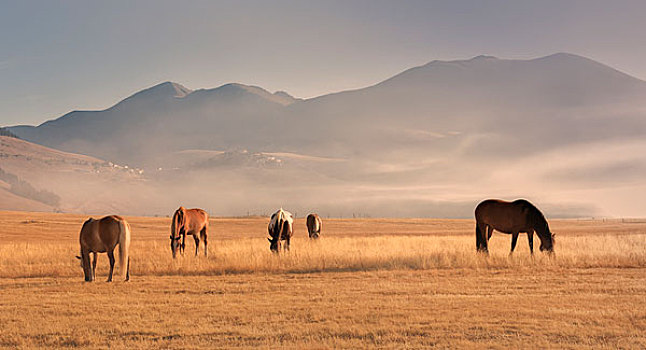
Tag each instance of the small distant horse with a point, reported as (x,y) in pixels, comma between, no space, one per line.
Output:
(102,236)
(280,228)
(511,218)
(194,222)
(314,225)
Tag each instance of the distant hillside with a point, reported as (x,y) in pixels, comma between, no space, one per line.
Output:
(11,201)
(7,132)
(561,129)
(31,174)
(167,118)
(475,105)
(26,190)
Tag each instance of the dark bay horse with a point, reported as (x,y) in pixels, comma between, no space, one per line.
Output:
(280,228)
(512,218)
(102,236)
(314,225)
(194,222)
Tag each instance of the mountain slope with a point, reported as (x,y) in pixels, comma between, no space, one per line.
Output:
(467,105)
(83,183)
(164,118)
(12,201)
(441,135)
(472,105)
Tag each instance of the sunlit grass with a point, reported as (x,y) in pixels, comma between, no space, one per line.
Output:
(251,255)
(384,283)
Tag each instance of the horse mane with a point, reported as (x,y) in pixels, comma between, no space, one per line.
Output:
(176,224)
(535,216)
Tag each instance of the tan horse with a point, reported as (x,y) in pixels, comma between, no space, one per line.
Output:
(102,236)
(512,218)
(280,228)
(194,222)
(314,225)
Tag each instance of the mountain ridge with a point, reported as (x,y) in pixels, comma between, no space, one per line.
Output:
(560,128)
(177,90)
(442,122)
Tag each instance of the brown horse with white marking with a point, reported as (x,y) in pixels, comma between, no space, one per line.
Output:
(280,228)
(314,225)
(102,236)
(194,222)
(511,218)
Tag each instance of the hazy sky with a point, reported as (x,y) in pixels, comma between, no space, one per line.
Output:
(60,56)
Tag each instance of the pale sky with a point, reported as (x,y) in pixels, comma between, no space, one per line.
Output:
(61,56)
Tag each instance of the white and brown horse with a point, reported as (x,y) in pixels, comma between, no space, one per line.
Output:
(194,222)
(314,225)
(102,236)
(511,218)
(280,229)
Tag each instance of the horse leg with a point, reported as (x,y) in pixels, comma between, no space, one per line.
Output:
(530,238)
(181,247)
(481,237)
(514,240)
(489,232)
(111,257)
(287,243)
(203,234)
(197,244)
(128,270)
(485,239)
(94,264)
(87,268)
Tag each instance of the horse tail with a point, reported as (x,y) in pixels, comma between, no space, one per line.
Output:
(479,245)
(124,247)
(281,220)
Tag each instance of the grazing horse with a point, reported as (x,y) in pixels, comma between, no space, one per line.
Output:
(512,218)
(194,222)
(102,236)
(314,225)
(280,229)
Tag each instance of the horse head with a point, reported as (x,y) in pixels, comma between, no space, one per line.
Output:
(88,271)
(274,244)
(177,229)
(274,229)
(547,243)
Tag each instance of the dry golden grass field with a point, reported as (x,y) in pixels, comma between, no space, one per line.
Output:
(368,283)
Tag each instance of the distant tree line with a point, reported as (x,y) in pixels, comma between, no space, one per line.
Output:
(25,189)
(6,132)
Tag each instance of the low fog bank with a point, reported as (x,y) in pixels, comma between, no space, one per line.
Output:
(258,191)
(606,181)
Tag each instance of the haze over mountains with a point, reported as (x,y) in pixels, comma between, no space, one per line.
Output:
(563,130)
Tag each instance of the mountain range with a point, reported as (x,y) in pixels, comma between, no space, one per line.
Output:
(431,140)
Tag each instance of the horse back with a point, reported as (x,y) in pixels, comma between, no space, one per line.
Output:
(508,217)
(101,235)
(288,230)
(313,223)
(277,221)
(196,220)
